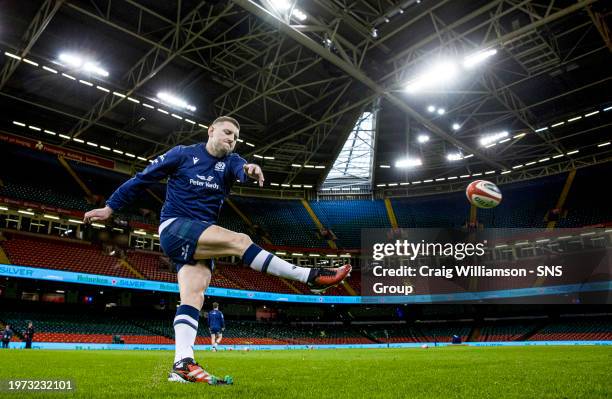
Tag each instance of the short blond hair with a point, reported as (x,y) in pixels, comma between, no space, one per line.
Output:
(227,119)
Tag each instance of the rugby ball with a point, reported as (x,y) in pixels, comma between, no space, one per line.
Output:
(483,194)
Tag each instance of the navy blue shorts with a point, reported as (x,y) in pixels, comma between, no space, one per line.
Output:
(179,241)
(214,331)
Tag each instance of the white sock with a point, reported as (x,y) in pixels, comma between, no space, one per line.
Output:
(263,261)
(185,331)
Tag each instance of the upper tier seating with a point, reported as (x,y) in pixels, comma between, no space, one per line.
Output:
(442,210)
(586,203)
(44,196)
(346,218)
(286,221)
(37,169)
(524,204)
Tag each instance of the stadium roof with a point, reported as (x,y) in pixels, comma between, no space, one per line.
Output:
(299,80)
(353,166)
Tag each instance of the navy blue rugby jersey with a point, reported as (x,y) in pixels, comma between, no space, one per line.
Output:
(197,182)
(216,320)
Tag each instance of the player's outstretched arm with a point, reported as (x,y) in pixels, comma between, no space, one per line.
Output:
(160,168)
(98,214)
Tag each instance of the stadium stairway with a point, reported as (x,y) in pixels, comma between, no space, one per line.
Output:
(317,222)
(228,276)
(345,284)
(150,265)
(163,332)
(245,218)
(126,265)
(533,331)
(4,258)
(241,285)
(585,205)
(474,335)
(74,175)
(371,337)
(391,213)
(503,331)
(563,197)
(291,286)
(347,217)
(155,196)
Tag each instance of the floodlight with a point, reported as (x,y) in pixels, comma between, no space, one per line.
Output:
(486,140)
(299,14)
(408,162)
(477,58)
(440,73)
(175,101)
(423,138)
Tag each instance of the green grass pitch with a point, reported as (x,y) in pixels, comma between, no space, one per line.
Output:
(458,372)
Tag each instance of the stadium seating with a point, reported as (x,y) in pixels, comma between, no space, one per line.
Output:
(44,196)
(229,219)
(149,264)
(524,204)
(62,255)
(44,252)
(585,204)
(395,333)
(442,210)
(85,328)
(504,331)
(346,218)
(286,221)
(21,166)
(239,276)
(71,324)
(295,334)
(586,329)
(253,280)
(100,328)
(443,333)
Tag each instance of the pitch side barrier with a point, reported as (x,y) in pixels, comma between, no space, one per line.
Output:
(16,271)
(420,345)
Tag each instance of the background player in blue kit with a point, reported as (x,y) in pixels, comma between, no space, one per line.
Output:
(216,326)
(200,176)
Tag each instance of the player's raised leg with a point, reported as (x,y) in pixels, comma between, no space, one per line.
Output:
(193,281)
(216,241)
